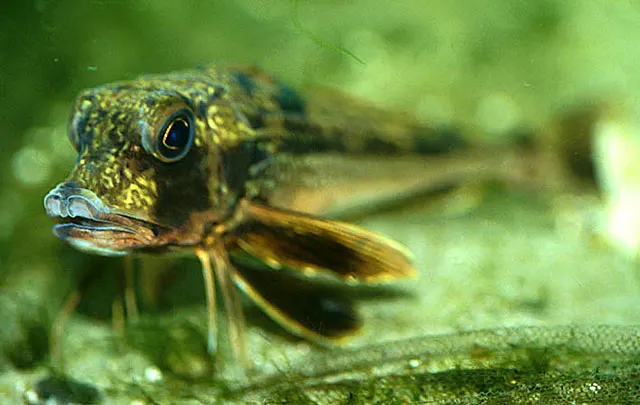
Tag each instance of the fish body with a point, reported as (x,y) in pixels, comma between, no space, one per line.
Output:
(229,163)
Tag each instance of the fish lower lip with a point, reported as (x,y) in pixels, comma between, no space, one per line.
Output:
(113,225)
(103,238)
(92,225)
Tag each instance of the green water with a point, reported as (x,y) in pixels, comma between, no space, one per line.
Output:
(513,260)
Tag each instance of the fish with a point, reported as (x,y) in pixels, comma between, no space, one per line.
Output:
(229,164)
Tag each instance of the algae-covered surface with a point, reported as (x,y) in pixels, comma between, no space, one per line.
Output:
(519,297)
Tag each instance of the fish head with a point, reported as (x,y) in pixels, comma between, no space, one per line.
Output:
(148,172)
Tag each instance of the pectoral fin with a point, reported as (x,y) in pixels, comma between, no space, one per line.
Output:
(302,242)
(314,312)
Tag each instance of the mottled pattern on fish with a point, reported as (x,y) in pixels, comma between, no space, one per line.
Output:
(328,121)
(229,161)
(251,131)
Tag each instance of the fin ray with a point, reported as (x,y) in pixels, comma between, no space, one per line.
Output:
(310,244)
(311,311)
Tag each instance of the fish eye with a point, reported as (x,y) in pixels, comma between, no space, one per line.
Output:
(175,137)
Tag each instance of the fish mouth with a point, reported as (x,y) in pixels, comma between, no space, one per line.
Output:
(88,224)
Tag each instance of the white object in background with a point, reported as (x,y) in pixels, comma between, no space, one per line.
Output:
(617,160)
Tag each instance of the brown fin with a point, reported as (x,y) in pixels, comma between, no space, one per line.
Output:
(309,244)
(311,311)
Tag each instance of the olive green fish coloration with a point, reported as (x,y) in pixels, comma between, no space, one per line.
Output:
(228,162)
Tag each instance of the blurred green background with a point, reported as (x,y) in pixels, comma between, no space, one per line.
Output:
(491,66)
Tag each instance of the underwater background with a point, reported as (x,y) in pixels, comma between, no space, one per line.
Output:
(528,260)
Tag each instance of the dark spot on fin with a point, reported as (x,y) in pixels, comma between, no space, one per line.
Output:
(440,141)
(289,100)
(63,390)
(305,309)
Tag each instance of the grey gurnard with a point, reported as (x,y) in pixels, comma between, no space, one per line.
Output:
(226,162)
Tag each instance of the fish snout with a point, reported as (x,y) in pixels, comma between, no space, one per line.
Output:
(67,200)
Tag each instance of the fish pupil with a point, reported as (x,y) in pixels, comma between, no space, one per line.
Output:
(175,138)
(177,135)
